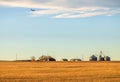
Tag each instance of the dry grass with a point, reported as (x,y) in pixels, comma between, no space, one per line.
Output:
(59,71)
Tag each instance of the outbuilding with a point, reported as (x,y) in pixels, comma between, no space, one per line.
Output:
(93,58)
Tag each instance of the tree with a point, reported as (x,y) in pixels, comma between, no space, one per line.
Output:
(33,58)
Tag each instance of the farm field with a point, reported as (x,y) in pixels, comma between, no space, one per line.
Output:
(59,71)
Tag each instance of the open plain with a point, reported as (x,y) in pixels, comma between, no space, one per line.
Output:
(59,71)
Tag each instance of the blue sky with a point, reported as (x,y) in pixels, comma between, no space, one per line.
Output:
(71,30)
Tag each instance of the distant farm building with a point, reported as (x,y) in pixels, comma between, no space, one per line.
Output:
(46,58)
(107,58)
(93,58)
(75,59)
(101,57)
(64,59)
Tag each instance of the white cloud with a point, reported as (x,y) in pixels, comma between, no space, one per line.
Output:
(67,8)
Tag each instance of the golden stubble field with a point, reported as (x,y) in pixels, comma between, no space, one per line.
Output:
(59,71)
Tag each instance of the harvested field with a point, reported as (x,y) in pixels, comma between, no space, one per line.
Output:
(59,71)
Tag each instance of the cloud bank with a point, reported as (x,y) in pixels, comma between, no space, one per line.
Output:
(67,8)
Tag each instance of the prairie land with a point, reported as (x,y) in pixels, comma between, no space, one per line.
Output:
(59,71)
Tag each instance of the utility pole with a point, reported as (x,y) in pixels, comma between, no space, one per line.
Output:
(82,57)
